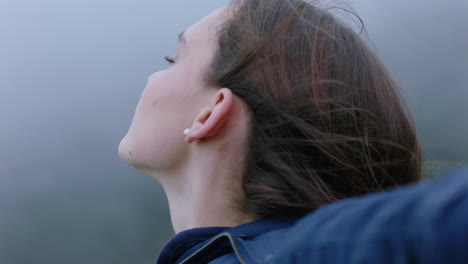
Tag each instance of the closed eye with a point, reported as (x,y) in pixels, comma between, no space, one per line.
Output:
(169,60)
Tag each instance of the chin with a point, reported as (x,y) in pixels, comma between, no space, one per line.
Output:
(128,153)
(125,151)
(152,153)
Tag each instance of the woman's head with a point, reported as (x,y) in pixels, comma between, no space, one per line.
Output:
(174,99)
(320,116)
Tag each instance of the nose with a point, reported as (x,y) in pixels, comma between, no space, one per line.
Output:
(152,76)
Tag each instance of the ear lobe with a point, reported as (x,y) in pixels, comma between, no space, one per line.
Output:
(212,119)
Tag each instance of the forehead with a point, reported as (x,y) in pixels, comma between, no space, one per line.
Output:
(204,31)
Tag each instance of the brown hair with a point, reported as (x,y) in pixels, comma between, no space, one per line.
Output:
(327,120)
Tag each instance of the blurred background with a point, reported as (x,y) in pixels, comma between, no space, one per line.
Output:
(71,74)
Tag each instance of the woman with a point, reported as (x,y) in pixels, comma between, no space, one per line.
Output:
(270,110)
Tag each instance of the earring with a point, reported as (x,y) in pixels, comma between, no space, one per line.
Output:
(186,132)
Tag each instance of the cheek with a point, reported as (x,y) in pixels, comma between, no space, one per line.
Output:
(154,133)
(163,90)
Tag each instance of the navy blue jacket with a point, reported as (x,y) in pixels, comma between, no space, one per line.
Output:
(426,222)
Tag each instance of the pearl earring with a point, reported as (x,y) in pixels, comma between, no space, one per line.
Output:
(186,131)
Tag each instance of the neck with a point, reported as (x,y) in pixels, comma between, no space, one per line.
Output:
(206,192)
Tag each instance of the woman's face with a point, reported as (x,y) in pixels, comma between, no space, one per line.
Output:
(171,100)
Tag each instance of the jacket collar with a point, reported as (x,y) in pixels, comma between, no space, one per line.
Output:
(209,243)
(184,241)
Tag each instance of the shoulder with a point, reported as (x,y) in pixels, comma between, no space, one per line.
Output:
(425,222)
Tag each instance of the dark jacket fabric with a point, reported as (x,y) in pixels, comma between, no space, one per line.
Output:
(425,222)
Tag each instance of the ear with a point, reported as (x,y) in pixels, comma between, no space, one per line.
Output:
(209,121)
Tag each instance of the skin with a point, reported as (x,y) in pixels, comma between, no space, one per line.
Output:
(202,180)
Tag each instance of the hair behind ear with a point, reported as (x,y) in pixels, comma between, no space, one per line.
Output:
(328,121)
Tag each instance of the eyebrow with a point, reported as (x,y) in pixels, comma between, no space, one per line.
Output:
(182,38)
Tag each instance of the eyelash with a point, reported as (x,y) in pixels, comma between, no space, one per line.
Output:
(169,59)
